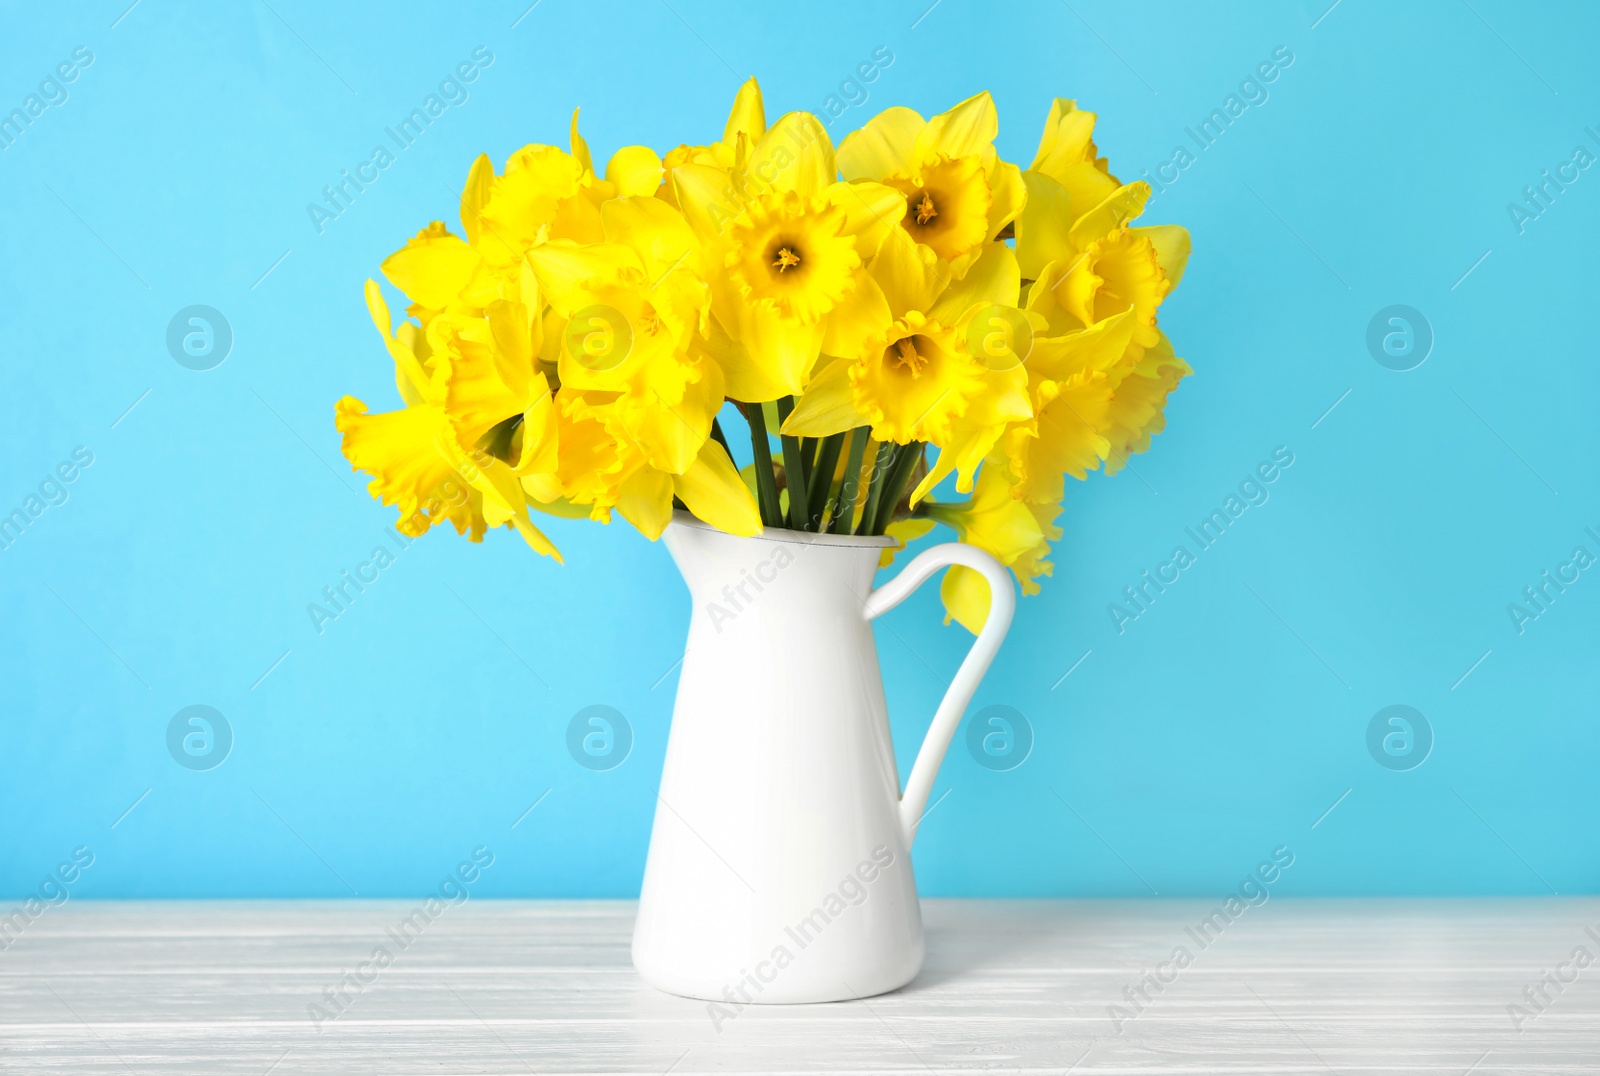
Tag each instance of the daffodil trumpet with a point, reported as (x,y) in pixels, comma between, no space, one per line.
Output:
(905,312)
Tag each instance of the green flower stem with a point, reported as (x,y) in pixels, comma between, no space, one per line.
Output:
(899,475)
(951,515)
(808,464)
(821,483)
(850,485)
(794,468)
(766,480)
(882,463)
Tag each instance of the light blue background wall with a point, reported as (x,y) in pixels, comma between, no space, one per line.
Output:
(1221,724)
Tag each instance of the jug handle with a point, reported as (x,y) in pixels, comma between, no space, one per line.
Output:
(1002,604)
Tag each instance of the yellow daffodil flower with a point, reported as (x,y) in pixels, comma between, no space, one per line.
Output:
(958,193)
(747,121)
(1068,158)
(791,241)
(602,466)
(416,459)
(640,300)
(915,378)
(546,193)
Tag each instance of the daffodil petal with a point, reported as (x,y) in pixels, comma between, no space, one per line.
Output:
(965,594)
(478,395)
(862,315)
(1066,435)
(1138,406)
(712,489)
(882,147)
(404,359)
(433,268)
(645,500)
(904,532)
(705,197)
(410,456)
(1009,194)
(1172,248)
(872,211)
(795,154)
(504,503)
(568,271)
(556,505)
(993,277)
(580,148)
(908,273)
(636,170)
(1068,138)
(748,115)
(967,130)
(540,432)
(513,343)
(1096,349)
(670,427)
(778,355)
(526,200)
(976,431)
(826,407)
(409,335)
(657,233)
(474,193)
(1043,224)
(1115,210)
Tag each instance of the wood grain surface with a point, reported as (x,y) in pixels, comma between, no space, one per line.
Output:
(1291,986)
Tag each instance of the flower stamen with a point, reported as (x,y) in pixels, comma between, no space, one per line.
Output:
(925,210)
(908,357)
(787,259)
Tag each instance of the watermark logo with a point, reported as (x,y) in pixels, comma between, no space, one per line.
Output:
(1399,738)
(1400,337)
(199,738)
(599,738)
(199,337)
(999,738)
(599,338)
(1000,337)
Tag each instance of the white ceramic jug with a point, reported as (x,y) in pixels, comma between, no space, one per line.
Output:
(779,867)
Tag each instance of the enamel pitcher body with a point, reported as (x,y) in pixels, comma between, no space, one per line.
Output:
(779,868)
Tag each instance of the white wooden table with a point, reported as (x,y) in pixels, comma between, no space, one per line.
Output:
(1346,986)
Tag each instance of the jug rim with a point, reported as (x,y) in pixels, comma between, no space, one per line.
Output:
(779,535)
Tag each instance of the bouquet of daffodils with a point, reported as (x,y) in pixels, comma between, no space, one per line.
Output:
(575,349)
